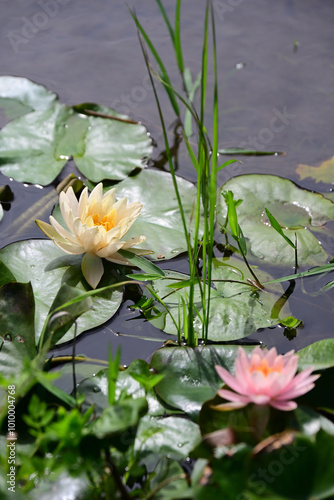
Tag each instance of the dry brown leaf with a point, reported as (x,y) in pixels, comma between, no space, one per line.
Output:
(323,173)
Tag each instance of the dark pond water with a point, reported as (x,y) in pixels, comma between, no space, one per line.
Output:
(275,60)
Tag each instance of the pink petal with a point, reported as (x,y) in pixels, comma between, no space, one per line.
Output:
(259,399)
(283,405)
(232,396)
(228,379)
(295,393)
(298,379)
(272,356)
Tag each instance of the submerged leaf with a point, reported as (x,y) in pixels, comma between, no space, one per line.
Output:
(297,211)
(323,173)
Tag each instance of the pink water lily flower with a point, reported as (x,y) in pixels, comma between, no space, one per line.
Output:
(265,378)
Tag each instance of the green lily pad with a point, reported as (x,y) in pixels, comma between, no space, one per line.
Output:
(35,147)
(172,436)
(28,145)
(236,309)
(47,268)
(320,355)
(116,419)
(112,148)
(17,337)
(190,375)
(5,274)
(160,219)
(19,96)
(65,485)
(297,210)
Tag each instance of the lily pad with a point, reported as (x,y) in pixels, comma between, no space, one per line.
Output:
(190,375)
(323,173)
(47,268)
(35,147)
(16,327)
(297,210)
(112,148)
(19,96)
(173,436)
(160,219)
(28,145)
(320,355)
(236,309)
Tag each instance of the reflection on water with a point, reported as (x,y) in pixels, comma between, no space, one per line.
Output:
(276,93)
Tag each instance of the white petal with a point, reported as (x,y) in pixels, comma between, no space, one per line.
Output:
(49,231)
(134,241)
(70,199)
(83,204)
(68,248)
(97,193)
(109,251)
(63,232)
(92,269)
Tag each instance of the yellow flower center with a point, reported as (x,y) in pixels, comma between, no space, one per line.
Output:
(265,368)
(107,221)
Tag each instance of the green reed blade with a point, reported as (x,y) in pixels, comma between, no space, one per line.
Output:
(177,38)
(166,19)
(163,70)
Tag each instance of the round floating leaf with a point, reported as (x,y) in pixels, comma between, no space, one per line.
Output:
(5,274)
(17,333)
(297,210)
(320,355)
(236,309)
(114,145)
(28,145)
(190,375)
(118,418)
(47,268)
(174,437)
(19,95)
(63,486)
(159,219)
(35,147)
(95,389)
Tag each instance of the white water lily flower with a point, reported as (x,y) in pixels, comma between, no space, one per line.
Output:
(97,225)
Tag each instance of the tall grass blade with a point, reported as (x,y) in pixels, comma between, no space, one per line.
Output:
(164,74)
(166,19)
(177,38)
